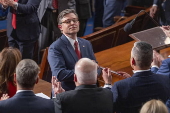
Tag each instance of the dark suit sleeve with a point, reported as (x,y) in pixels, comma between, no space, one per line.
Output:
(57,64)
(28,8)
(157,2)
(57,104)
(114,90)
(154,69)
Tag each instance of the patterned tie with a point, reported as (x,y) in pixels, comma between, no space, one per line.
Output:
(77,50)
(55,4)
(14,18)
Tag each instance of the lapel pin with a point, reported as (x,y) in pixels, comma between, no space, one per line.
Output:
(83,46)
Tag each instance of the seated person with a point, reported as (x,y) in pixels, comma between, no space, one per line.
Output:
(129,94)
(25,101)
(9,58)
(154,106)
(87,97)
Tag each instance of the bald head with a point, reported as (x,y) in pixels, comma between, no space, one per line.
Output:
(86,71)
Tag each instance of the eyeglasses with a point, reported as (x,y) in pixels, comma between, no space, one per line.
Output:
(69,21)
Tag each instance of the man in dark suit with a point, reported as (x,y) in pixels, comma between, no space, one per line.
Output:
(164,10)
(25,101)
(130,94)
(65,52)
(83,10)
(87,97)
(23,26)
(48,13)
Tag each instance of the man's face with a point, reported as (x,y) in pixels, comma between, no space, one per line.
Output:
(70,24)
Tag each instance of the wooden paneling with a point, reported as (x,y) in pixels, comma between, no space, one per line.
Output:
(115,35)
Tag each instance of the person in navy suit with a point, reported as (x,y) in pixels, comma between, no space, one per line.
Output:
(130,94)
(112,8)
(62,56)
(25,101)
(164,10)
(27,29)
(164,69)
(160,65)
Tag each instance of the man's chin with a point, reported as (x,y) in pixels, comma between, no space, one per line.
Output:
(73,31)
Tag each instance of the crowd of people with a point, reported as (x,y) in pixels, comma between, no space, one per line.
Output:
(74,66)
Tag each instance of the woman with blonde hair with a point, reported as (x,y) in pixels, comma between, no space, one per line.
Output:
(9,58)
(154,106)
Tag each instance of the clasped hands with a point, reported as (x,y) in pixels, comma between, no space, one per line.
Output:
(56,86)
(6,3)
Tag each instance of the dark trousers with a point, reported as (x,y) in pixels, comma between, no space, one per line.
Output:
(49,30)
(82,27)
(26,47)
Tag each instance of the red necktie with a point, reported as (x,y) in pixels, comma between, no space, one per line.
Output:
(14,18)
(77,50)
(55,4)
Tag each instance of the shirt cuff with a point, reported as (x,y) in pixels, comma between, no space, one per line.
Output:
(15,5)
(154,5)
(155,66)
(4,7)
(107,86)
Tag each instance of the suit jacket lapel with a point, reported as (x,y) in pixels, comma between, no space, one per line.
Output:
(82,47)
(69,47)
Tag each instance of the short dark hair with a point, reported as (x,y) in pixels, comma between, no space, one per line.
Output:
(27,73)
(64,12)
(142,52)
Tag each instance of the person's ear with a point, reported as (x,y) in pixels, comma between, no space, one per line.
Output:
(15,77)
(37,80)
(79,23)
(133,61)
(75,78)
(60,26)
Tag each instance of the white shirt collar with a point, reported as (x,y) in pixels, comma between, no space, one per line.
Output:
(22,90)
(72,41)
(140,71)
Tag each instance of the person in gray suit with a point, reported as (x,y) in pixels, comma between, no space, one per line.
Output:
(87,97)
(48,14)
(25,101)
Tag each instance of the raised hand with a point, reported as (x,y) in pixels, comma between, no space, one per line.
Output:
(107,77)
(4,97)
(124,74)
(153,11)
(56,86)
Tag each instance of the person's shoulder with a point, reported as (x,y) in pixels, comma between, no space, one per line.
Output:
(44,100)
(105,90)
(56,43)
(127,80)
(82,39)
(7,101)
(161,76)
